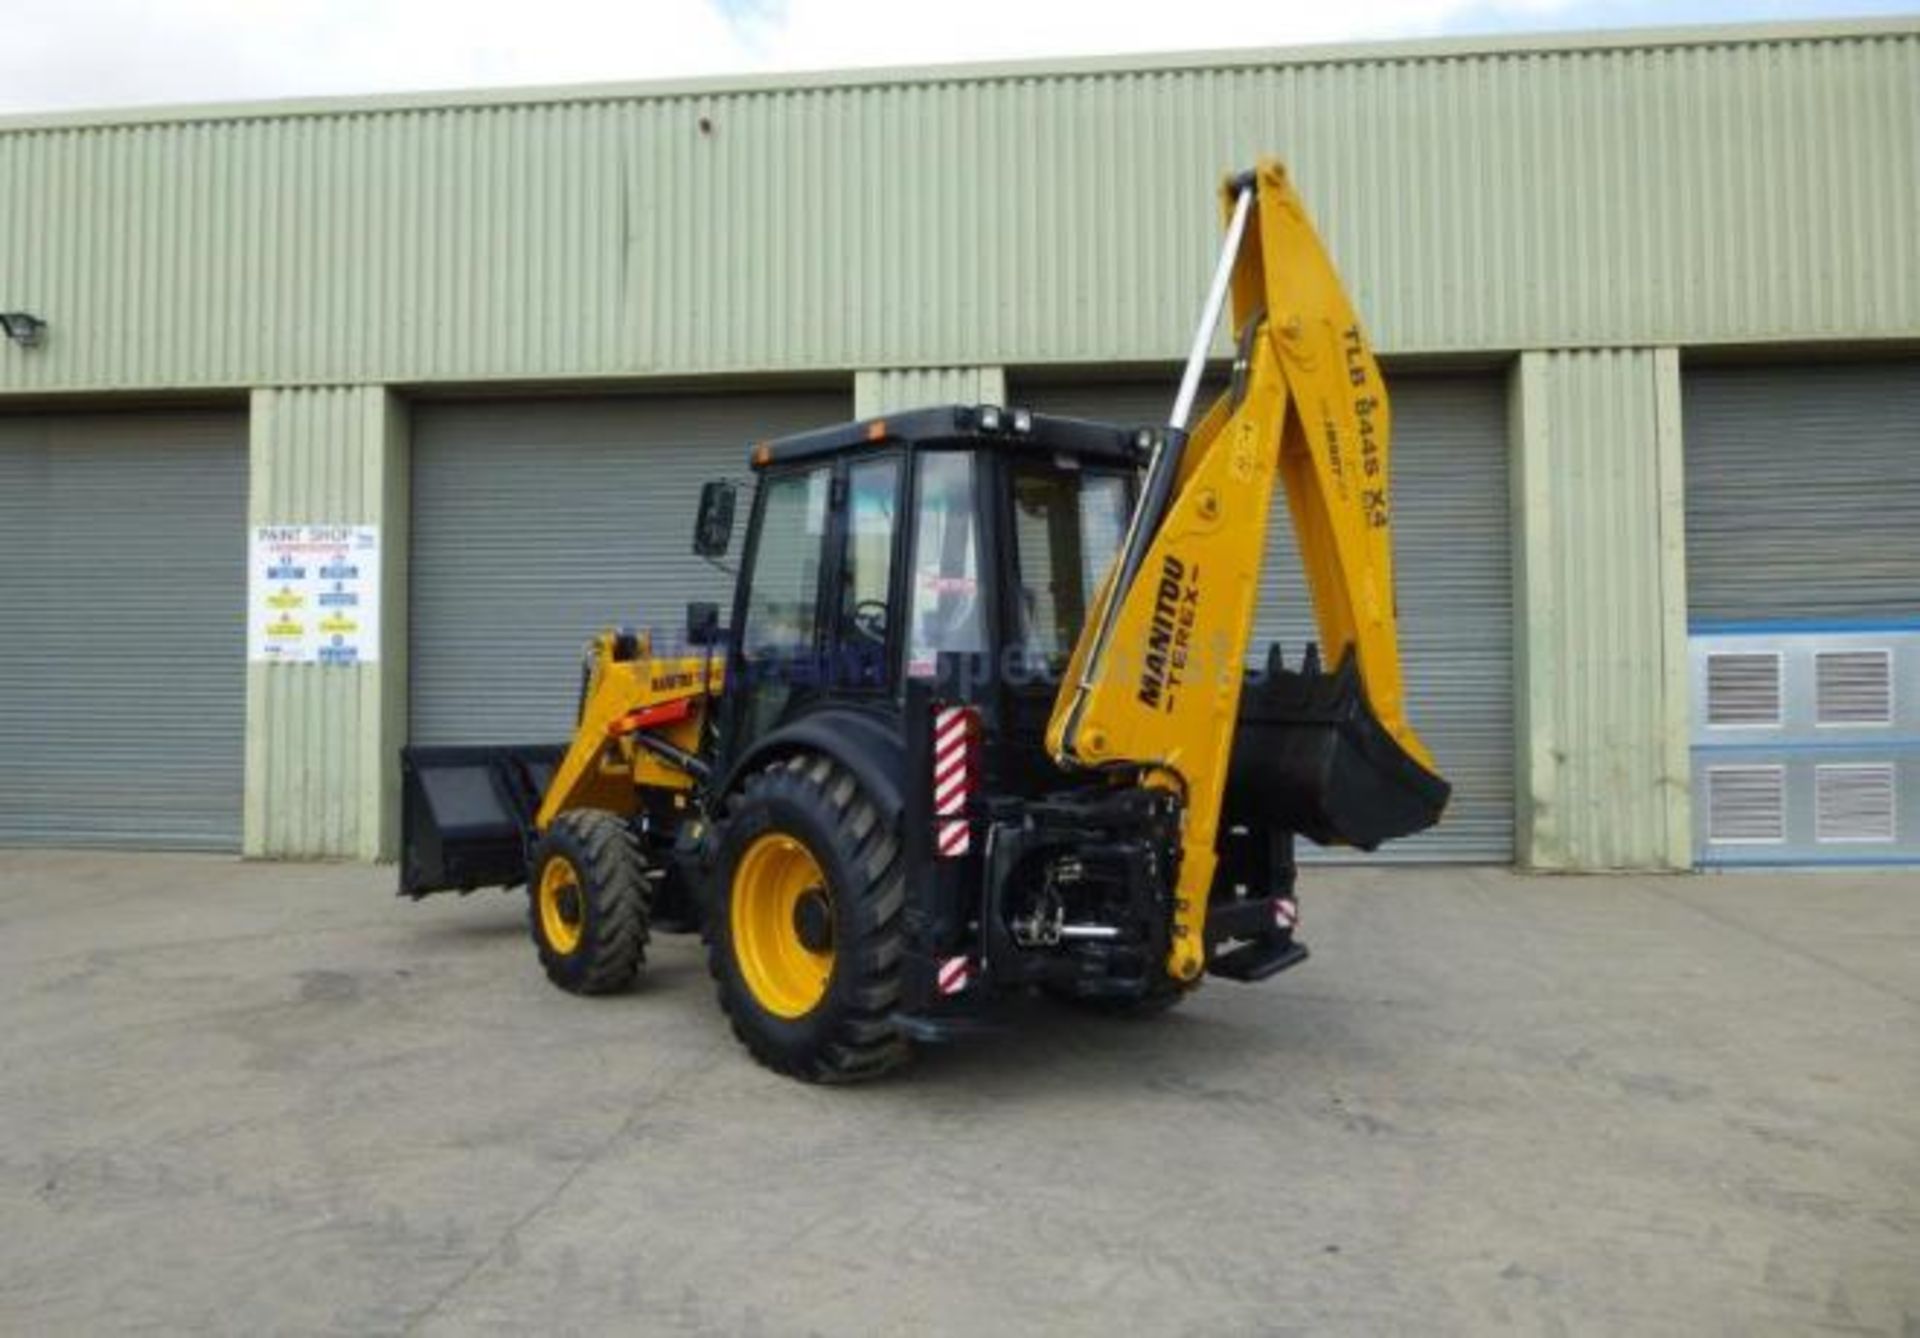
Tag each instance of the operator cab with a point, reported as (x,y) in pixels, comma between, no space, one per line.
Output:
(879,550)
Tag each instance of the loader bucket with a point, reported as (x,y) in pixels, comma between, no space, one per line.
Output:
(467,812)
(1309,757)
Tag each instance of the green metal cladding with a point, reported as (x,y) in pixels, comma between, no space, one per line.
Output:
(886,391)
(1582,212)
(323,744)
(1601,576)
(1740,186)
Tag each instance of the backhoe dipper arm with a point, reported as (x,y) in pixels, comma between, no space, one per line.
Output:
(1154,684)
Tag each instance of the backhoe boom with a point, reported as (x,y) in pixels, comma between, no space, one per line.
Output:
(1155,683)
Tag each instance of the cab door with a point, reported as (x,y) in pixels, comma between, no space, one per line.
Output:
(816,610)
(779,642)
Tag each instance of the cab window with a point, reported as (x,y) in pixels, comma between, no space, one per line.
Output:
(873,490)
(1067,528)
(945,613)
(783,592)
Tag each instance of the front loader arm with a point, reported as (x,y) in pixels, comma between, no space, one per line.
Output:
(640,721)
(1154,684)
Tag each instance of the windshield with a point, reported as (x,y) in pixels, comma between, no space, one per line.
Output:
(1067,527)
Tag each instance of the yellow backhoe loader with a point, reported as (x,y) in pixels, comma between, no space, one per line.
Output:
(982,719)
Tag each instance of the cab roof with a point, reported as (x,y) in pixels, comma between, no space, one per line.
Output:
(963,426)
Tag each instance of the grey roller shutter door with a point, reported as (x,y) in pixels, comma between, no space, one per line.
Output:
(538,522)
(1803,492)
(123,604)
(1453,570)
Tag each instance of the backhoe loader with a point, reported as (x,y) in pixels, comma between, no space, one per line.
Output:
(982,720)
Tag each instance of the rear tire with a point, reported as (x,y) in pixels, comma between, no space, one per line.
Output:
(803,923)
(588,902)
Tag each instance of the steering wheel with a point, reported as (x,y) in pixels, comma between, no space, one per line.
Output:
(869,619)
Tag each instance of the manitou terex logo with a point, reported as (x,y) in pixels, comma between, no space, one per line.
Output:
(1169,637)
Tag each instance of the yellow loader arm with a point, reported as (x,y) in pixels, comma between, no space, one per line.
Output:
(639,730)
(1155,683)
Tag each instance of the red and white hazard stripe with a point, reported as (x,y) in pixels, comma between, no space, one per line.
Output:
(1286,913)
(954,974)
(954,730)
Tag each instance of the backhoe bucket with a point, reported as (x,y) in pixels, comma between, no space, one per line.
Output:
(467,813)
(1309,757)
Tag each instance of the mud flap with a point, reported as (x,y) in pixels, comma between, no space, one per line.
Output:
(1309,757)
(467,814)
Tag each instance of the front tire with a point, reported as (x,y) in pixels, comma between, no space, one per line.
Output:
(803,924)
(588,902)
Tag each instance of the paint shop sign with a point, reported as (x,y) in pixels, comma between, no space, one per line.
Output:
(313,594)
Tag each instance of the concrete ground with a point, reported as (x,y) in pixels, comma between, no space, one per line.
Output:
(258,1098)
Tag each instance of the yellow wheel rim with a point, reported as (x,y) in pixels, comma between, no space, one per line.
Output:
(780,899)
(561,918)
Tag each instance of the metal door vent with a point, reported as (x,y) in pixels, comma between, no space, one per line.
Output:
(1854,802)
(1743,688)
(1853,687)
(1746,804)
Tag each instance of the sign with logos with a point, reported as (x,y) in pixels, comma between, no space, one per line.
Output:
(313,594)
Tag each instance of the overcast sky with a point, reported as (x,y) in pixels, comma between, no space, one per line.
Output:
(59,54)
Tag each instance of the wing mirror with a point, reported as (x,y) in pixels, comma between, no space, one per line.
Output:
(713,529)
(703,624)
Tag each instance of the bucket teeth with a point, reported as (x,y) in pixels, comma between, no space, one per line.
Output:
(1309,662)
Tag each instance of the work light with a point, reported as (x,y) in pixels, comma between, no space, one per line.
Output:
(23,328)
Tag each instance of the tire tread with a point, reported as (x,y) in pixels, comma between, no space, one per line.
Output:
(618,919)
(861,1041)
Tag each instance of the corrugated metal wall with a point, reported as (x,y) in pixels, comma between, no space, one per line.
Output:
(1601,574)
(323,742)
(916,387)
(1687,193)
